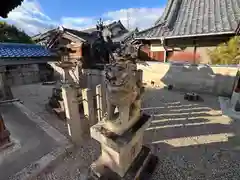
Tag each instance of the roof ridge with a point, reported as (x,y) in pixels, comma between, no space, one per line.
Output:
(156,26)
(165,13)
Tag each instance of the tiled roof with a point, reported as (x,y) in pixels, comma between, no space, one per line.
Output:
(89,30)
(195,18)
(81,34)
(110,26)
(125,36)
(17,50)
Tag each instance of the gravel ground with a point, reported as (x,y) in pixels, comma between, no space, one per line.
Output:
(193,141)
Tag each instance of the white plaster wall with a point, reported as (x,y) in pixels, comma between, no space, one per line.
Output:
(218,80)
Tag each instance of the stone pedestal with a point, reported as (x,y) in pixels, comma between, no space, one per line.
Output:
(123,156)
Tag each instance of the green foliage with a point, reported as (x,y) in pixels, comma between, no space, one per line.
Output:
(11,34)
(227,53)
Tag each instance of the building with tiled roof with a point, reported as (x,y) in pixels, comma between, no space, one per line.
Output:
(25,63)
(192,26)
(61,35)
(115,29)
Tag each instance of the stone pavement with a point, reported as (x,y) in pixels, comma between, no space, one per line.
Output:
(192,140)
(35,97)
(34,142)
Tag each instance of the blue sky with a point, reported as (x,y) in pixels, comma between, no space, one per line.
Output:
(35,16)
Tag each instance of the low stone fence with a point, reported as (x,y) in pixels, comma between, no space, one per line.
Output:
(218,80)
(15,78)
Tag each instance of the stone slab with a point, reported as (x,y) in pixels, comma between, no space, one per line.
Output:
(115,141)
(141,168)
(39,145)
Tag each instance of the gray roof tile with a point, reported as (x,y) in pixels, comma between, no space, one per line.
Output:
(15,50)
(195,17)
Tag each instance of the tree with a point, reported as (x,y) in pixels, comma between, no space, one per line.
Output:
(227,53)
(9,33)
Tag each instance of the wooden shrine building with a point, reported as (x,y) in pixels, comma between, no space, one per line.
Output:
(188,29)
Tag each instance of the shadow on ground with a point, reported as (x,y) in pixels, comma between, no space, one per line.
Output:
(192,139)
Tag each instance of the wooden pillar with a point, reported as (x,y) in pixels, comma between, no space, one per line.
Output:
(195,51)
(163,41)
(165,56)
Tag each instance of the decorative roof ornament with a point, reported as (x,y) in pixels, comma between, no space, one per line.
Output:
(61,28)
(100,25)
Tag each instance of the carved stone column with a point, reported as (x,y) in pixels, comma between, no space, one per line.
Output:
(120,133)
(78,128)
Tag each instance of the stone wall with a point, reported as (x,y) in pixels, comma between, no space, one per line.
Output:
(22,74)
(217,80)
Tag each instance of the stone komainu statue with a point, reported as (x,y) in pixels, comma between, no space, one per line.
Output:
(123,91)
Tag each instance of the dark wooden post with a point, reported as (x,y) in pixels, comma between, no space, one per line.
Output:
(194,51)
(4,133)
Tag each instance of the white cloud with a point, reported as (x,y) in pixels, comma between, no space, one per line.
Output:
(132,18)
(77,22)
(31,18)
(136,17)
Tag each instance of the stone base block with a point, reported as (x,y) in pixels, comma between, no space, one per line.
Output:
(119,151)
(115,141)
(141,168)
